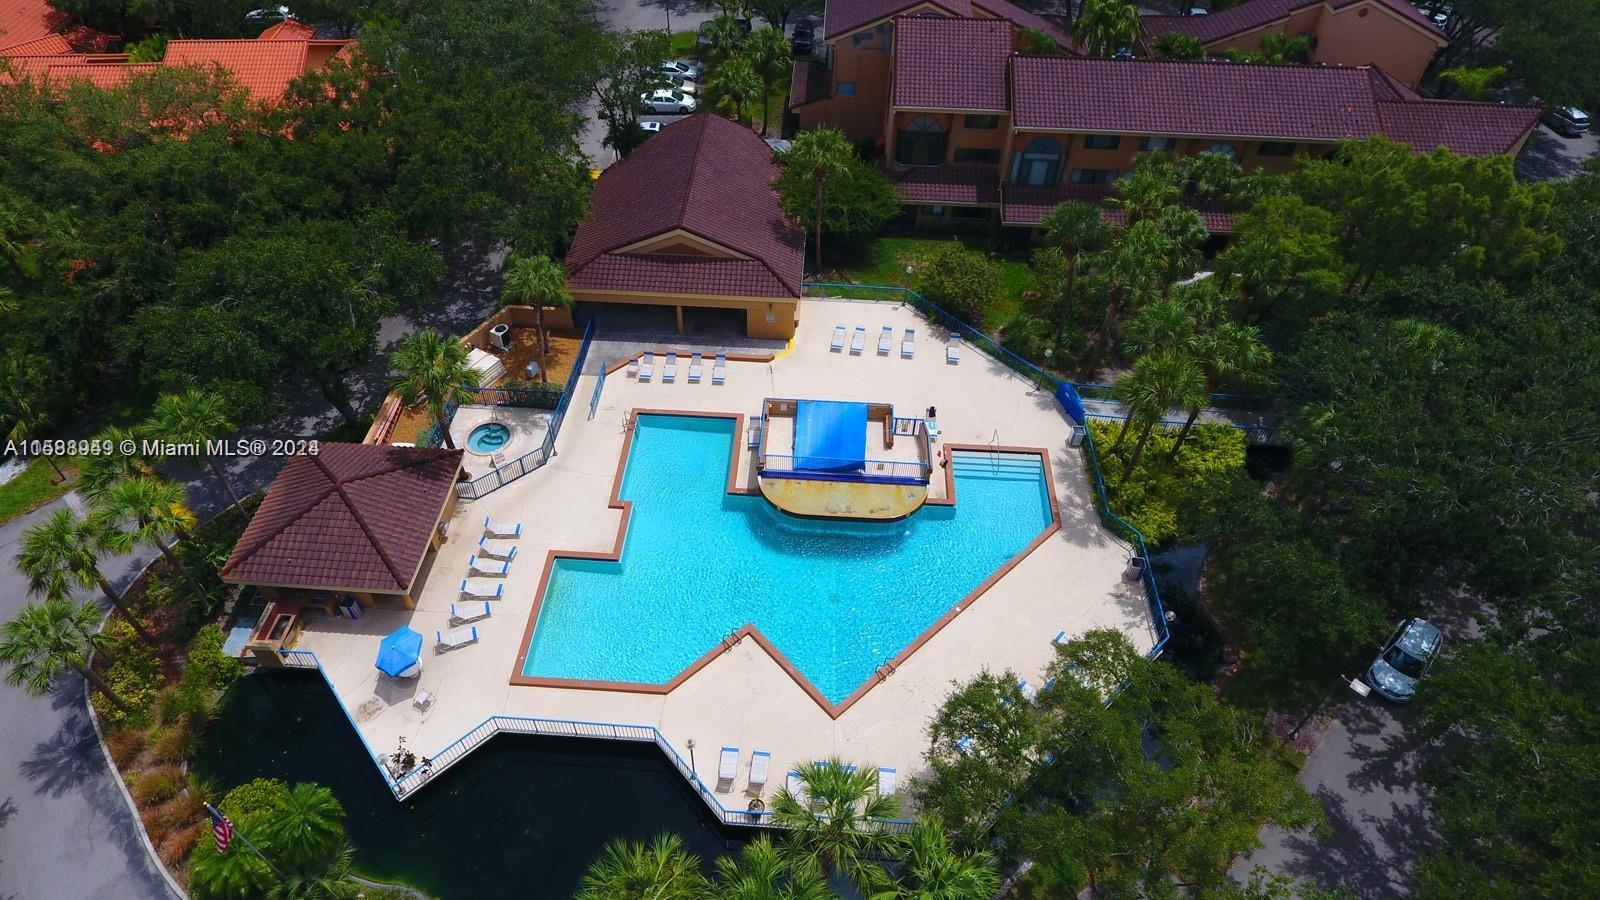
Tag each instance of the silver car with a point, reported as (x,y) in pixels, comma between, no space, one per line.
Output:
(1405,656)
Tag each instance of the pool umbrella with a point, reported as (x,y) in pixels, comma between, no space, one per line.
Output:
(397,655)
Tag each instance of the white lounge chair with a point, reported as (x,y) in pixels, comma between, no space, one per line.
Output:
(696,369)
(908,344)
(755,434)
(1060,640)
(719,369)
(1029,692)
(795,786)
(858,340)
(633,366)
(952,350)
(728,765)
(885,340)
(471,591)
(888,781)
(456,637)
(838,337)
(487,569)
(647,367)
(467,615)
(669,371)
(422,701)
(760,762)
(499,532)
(496,549)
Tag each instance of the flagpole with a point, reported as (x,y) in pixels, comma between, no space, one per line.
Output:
(254,849)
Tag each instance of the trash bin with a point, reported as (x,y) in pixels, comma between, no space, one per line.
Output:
(1079,433)
(1135,568)
(350,607)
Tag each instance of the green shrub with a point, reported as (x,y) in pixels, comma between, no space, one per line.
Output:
(964,282)
(134,674)
(207,667)
(1166,499)
(252,797)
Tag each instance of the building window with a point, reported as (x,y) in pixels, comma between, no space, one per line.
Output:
(920,143)
(977,155)
(1158,144)
(1094,176)
(846,89)
(1224,150)
(1101,142)
(1276,148)
(864,37)
(981,122)
(969,213)
(1038,164)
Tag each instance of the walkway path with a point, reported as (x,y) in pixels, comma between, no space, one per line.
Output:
(1262,425)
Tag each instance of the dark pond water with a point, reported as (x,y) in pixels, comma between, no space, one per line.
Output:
(521,817)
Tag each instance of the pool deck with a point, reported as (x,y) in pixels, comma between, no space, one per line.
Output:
(744,696)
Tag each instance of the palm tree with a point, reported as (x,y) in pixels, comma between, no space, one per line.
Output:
(22,407)
(840,826)
(195,417)
(731,87)
(305,828)
(1154,186)
(536,281)
(329,880)
(628,870)
(1156,384)
(1133,267)
(1280,49)
(1231,352)
(47,640)
(63,552)
(99,472)
(1172,322)
(934,870)
(821,156)
(1074,226)
(1257,261)
(1104,27)
(725,35)
(434,367)
(759,872)
(770,54)
(156,510)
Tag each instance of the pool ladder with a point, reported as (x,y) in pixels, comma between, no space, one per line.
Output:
(731,640)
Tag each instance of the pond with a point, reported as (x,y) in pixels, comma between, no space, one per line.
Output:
(521,817)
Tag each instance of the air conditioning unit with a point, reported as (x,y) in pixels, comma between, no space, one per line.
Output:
(500,336)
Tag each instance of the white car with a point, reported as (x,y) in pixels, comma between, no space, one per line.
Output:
(649,127)
(679,70)
(683,86)
(665,101)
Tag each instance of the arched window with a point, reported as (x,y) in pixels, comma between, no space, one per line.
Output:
(1038,164)
(1224,149)
(920,142)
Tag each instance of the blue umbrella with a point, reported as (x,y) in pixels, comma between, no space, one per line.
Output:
(399,652)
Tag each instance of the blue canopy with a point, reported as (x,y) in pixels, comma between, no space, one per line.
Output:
(830,436)
(399,652)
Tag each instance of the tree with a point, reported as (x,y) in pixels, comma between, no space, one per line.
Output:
(1132,268)
(536,281)
(22,402)
(777,12)
(1105,27)
(964,282)
(99,472)
(1075,227)
(63,552)
(49,639)
(1281,49)
(196,418)
(1038,42)
(300,829)
(824,184)
(1229,353)
(771,56)
(732,86)
(156,510)
(663,870)
(839,824)
(632,69)
(1473,83)
(1157,383)
(726,36)
(1179,45)
(935,869)
(759,872)
(434,368)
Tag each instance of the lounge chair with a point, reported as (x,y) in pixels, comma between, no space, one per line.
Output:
(422,701)
(1029,692)
(669,372)
(647,367)
(496,549)
(487,569)
(964,744)
(471,591)
(908,344)
(755,434)
(490,530)
(952,350)
(838,338)
(696,368)
(728,765)
(888,781)
(1060,640)
(795,786)
(467,615)
(885,340)
(760,761)
(633,366)
(858,340)
(455,637)
(719,369)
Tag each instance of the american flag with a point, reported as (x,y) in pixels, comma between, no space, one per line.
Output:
(221,829)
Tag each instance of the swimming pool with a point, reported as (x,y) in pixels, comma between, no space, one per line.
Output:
(488,437)
(837,598)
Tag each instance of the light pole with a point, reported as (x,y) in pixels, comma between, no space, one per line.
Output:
(1355,684)
(692,770)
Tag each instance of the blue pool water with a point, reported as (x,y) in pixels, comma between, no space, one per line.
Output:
(837,598)
(488,437)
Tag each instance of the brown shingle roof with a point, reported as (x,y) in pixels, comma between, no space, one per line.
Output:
(707,176)
(1467,129)
(1257,13)
(951,63)
(353,516)
(968,184)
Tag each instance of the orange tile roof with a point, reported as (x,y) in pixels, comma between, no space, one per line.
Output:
(262,68)
(49,45)
(26,21)
(288,30)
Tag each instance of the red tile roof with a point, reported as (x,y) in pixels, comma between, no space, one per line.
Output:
(844,16)
(961,184)
(49,45)
(663,273)
(26,21)
(1467,129)
(353,516)
(262,68)
(1027,205)
(704,175)
(810,82)
(955,64)
(288,30)
(1258,13)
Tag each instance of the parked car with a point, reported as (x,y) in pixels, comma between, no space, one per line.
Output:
(1568,121)
(649,127)
(268,14)
(682,86)
(665,101)
(1404,658)
(673,68)
(804,39)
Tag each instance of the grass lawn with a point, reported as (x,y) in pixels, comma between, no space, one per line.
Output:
(884,260)
(30,490)
(681,45)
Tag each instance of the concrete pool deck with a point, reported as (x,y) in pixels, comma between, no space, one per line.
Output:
(743,696)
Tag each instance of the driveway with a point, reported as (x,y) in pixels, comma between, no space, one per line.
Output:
(1549,155)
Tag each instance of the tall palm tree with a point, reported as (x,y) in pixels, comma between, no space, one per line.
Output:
(1256,262)
(1075,227)
(434,367)
(726,36)
(63,552)
(99,472)
(629,870)
(195,417)
(1105,26)
(840,824)
(934,870)
(157,512)
(759,872)
(1154,185)
(820,156)
(1230,352)
(538,281)
(1156,384)
(731,87)
(47,640)
(1133,268)
(770,54)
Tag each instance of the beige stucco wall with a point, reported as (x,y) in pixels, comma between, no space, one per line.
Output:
(867,64)
(1358,35)
(756,309)
(1121,159)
